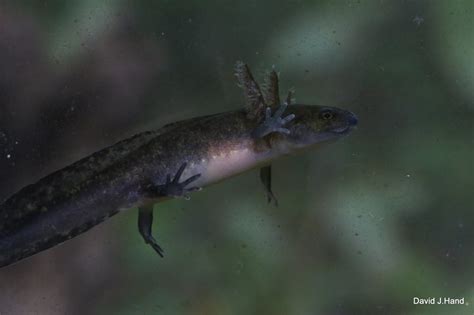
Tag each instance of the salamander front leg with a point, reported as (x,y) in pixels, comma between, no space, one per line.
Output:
(266,178)
(172,188)
(273,123)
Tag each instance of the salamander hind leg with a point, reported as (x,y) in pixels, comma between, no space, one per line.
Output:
(171,188)
(145,222)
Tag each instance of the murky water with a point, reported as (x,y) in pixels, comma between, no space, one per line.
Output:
(364,225)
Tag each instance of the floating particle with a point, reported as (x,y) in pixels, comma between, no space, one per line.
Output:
(418,20)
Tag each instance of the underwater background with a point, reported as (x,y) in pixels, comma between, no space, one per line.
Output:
(363,226)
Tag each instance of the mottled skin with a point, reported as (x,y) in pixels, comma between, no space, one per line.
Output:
(133,172)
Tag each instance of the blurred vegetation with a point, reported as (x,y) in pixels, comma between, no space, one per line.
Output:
(363,226)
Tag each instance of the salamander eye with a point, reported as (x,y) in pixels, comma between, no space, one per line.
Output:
(326,115)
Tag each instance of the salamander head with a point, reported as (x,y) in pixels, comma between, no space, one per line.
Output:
(316,124)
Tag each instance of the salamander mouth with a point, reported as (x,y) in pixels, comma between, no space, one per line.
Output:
(350,123)
(342,130)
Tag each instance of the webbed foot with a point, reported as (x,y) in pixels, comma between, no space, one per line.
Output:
(273,123)
(174,188)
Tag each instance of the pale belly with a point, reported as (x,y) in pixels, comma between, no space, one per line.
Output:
(220,166)
(217,166)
